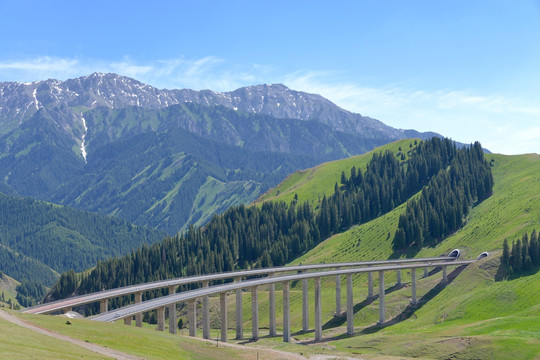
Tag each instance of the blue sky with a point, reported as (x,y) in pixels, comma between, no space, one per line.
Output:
(469,70)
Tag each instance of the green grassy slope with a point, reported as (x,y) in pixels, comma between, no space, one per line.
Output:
(474,313)
(312,184)
(472,317)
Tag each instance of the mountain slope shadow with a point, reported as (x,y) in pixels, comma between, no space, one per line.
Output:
(404,315)
(340,320)
(410,309)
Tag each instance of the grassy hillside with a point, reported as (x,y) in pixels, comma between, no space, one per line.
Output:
(312,184)
(474,316)
(8,287)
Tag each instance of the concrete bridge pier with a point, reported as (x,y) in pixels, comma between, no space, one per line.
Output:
(161,319)
(370,285)
(426,272)
(103,306)
(138,317)
(382,306)
(239,315)
(350,314)
(398,276)
(286,313)
(338,294)
(127,321)
(254,314)
(223,311)
(272,309)
(206,314)
(305,305)
(172,313)
(318,312)
(444,276)
(413,286)
(192,317)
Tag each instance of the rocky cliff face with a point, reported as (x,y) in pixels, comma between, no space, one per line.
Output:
(19,101)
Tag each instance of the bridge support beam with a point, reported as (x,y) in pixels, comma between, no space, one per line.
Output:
(254,314)
(305,305)
(382,306)
(239,315)
(413,286)
(426,272)
(103,306)
(127,321)
(272,309)
(161,319)
(206,314)
(172,319)
(286,313)
(318,312)
(223,310)
(338,294)
(138,317)
(398,276)
(192,315)
(370,285)
(172,313)
(444,276)
(350,314)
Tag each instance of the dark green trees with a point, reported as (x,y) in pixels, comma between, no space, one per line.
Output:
(452,190)
(524,255)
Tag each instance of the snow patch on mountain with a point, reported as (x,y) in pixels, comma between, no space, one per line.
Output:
(36,102)
(83,144)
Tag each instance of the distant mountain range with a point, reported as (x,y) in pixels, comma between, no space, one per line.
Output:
(167,158)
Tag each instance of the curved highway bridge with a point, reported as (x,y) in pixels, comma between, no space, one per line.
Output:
(300,272)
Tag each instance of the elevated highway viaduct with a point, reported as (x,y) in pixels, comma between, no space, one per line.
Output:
(302,272)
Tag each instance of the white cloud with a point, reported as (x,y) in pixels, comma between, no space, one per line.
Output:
(501,123)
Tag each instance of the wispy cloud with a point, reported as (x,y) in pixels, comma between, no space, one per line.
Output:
(205,73)
(502,123)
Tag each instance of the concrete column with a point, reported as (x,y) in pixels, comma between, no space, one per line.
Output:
(426,272)
(350,313)
(172,312)
(103,306)
(318,312)
(206,314)
(192,317)
(239,315)
(444,276)
(172,319)
(254,314)
(413,281)
(286,313)
(161,319)
(305,305)
(127,321)
(338,294)
(223,309)
(382,306)
(398,276)
(138,317)
(66,310)
(272,309)
(370,285)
